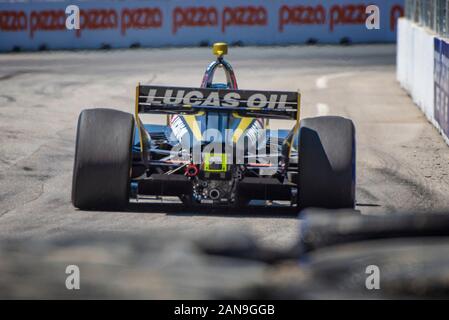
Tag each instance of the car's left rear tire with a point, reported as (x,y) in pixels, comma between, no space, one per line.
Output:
(101,173)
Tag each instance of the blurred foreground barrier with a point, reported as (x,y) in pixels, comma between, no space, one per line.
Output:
(334,258)
(325,228)
(423,70)
(119,24)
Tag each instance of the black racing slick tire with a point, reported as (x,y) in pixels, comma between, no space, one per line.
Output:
(101,173)
(326,164)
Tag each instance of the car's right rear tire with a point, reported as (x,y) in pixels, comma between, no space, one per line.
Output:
(326,164)
(101,173)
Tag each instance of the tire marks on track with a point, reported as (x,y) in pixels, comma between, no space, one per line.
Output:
(322,83)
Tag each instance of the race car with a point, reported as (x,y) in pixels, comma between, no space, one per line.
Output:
(216,147)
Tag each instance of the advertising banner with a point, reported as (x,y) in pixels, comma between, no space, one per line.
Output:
(156,23)
(441,86)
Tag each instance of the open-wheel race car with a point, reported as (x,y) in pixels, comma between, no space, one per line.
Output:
(216,147)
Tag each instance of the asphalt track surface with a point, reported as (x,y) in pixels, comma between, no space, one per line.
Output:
(403,163)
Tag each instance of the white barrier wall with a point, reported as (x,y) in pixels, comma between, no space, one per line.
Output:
(155,23)
(422,70)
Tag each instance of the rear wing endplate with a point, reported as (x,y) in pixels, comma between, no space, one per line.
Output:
(244,103)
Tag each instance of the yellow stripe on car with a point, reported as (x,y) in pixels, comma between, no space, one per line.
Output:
(137,116)
(193,125)
(243,125)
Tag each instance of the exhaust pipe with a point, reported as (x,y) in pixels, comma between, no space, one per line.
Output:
(214,194)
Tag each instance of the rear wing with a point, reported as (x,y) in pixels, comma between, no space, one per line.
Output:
(244,103)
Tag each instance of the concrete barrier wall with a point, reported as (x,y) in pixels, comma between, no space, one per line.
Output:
(422,70)
(156,23)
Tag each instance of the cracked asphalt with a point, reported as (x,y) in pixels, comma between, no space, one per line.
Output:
(403,163)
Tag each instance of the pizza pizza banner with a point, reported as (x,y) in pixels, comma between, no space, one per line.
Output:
(156,23)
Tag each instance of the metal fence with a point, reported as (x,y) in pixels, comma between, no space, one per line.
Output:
(433,14)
